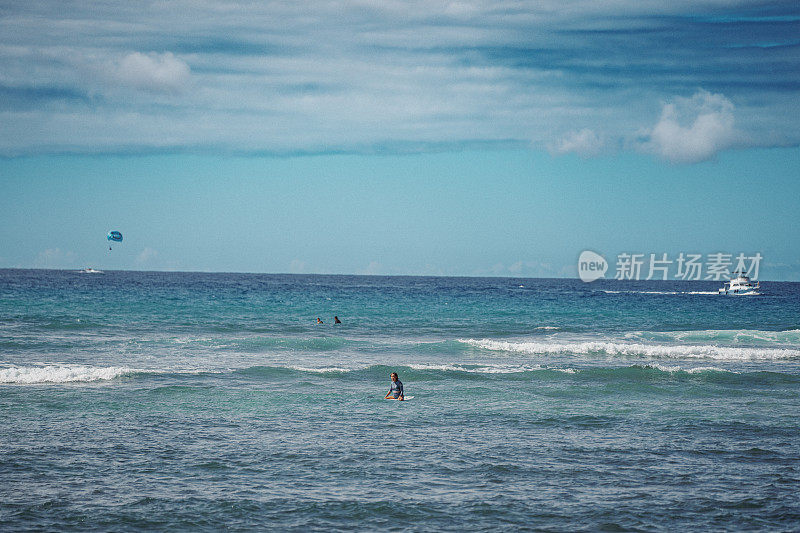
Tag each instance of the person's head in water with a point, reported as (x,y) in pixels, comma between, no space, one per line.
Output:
(319,321)
(336,320)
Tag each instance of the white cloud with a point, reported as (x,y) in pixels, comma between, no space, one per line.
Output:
(585,143)
(297,267)
(55,258)
(520,269)
(146,256)
(374,268)
(158,73)
(693,129)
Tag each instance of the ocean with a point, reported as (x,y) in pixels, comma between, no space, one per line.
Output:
(201,402)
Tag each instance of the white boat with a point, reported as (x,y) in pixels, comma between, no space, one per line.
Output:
(90,270)
(740,286)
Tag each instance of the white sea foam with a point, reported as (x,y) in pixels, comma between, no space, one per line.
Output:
(60,373)
(678,351)
(514,369)
(700,369)
(659,292)
(322,370)
(477,369)
(695,370)
(737,337)
(664,368)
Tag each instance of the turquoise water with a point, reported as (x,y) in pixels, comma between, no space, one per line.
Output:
(179,401)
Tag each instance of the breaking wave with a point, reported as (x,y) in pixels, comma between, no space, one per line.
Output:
(670,351)
(477,369)
(413,374)
(60,373)
(322,370)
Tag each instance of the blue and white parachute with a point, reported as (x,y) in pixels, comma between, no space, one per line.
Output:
(113,236)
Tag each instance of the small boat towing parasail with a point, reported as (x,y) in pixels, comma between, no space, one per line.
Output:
(740,286)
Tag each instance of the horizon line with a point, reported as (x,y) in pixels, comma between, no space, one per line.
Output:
(576,278)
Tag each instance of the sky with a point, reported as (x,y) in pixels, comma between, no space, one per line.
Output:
(433,138)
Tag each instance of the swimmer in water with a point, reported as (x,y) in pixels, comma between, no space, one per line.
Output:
(395,389)
(319,321)
(336,320)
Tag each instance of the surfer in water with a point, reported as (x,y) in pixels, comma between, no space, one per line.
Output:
(319,321)
(395,389)
(336,320)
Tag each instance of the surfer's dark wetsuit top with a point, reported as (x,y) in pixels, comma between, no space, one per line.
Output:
(396,389)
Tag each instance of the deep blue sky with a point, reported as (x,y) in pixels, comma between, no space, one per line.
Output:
(465,138)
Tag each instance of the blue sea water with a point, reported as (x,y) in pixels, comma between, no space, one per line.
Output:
(189,401)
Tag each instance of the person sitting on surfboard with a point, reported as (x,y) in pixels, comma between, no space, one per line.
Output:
(395,389)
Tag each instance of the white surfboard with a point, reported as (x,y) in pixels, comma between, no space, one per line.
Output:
(405,398)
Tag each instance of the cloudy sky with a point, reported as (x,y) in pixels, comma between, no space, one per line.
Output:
(435,120)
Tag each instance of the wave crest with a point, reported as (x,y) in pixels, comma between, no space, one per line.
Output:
(60,373)
(685,351)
